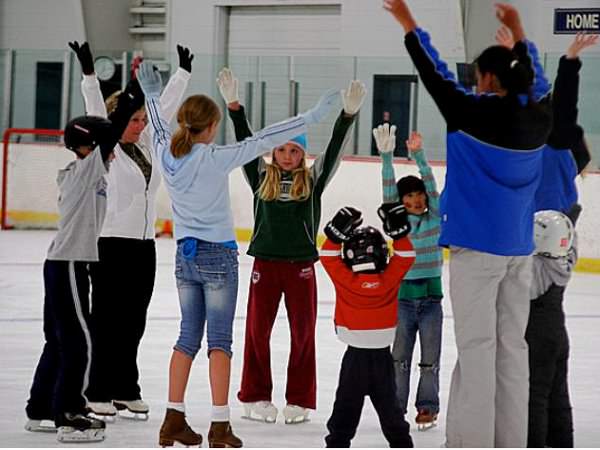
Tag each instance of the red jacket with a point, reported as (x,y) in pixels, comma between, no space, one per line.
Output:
(366,306)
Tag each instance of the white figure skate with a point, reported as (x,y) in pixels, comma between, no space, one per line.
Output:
(132,409)
(295,414)
(103,411)
(262,411)
(44,425)
(80,428)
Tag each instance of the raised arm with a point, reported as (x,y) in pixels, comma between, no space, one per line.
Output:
(328,162)
(90,86)
(228,87)
(385,139)
(415,146)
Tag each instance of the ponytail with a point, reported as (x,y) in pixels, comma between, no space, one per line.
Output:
(513,75)
(196,114)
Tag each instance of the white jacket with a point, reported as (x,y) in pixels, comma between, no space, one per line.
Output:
(131,205)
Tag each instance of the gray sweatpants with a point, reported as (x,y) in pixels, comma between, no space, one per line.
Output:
(489,390)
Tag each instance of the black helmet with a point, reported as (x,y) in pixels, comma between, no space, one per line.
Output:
(86,131)
(366,251)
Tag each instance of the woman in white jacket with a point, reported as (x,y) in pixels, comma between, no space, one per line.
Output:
(123,280)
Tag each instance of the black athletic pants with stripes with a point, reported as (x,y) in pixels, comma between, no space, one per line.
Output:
(367,372)
(122,285)
(61,375)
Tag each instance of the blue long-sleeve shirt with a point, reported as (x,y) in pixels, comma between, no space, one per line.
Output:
(198,182)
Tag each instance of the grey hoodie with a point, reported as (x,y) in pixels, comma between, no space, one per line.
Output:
(548,271)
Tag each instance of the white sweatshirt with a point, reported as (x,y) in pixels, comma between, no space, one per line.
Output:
(131,205)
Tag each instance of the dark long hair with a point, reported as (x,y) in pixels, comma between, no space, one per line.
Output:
(513,75)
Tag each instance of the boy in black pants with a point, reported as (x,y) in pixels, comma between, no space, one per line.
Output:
(61,375)
(550,416)
(365,318)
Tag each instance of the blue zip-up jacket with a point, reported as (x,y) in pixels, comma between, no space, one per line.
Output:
(198,183)
(565,155)
(494,156)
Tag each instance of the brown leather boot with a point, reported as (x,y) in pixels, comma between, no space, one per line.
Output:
(175,428)
(221,435)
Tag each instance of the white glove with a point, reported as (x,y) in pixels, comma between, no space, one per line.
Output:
(353,97)
(385,138)
(228,86)
(149,78)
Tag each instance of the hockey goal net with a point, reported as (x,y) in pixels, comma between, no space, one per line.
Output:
(31,159)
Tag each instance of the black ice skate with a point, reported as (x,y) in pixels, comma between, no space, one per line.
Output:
(132,409)
(80,428)
(425,419)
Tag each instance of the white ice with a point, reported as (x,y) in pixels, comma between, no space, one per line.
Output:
(21,292)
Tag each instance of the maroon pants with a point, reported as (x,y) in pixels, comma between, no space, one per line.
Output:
(270,279)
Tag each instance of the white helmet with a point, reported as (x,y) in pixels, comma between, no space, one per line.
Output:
(553,233)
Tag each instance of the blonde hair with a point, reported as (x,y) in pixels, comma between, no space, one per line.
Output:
(112,100)
(269,189)
(196,114)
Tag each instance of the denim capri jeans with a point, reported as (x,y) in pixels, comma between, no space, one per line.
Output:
(207,283)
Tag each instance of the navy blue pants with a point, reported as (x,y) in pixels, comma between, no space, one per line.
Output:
(61,375)
(122,285)
(367,372)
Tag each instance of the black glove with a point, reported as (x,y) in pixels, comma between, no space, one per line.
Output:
(395,220)
(185,58)
(84,55)
(340,228)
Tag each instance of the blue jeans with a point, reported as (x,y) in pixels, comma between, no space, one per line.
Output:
(425,317)
(207,283)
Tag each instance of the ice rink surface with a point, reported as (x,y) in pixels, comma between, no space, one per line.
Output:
(21,293)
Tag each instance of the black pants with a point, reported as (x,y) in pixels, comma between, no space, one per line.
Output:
(61,374)
(367,372)
(122,285)
(550,416)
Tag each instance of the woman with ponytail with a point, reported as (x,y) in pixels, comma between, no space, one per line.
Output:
(494,164)
(287,210)
(196,174)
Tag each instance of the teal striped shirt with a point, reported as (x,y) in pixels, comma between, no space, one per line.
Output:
(425,229)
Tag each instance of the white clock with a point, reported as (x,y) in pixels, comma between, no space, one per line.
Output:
(105,68)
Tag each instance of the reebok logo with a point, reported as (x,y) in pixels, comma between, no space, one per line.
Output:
(370,285)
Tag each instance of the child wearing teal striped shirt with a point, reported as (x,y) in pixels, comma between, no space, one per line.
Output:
(420,293)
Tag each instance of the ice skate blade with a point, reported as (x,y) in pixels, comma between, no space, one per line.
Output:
(259,419)
(296,420)
(135,416)
(173,443)
(69,434)
(108,418)
(426,426)
(41,426)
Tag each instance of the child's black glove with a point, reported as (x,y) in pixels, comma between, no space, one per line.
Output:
(340,228)
(185,58)
(395,220)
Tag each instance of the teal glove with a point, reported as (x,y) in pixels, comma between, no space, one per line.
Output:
(149,79)
(323,107)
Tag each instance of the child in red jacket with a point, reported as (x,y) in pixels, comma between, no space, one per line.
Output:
(366,287)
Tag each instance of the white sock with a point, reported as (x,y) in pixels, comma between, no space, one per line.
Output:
(176,406)
(220,413)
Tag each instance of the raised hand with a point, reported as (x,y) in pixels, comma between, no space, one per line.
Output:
(353,97)
(508,15)
(323,107)
(340,228)
(185,58)
(395,220)
(581,42)
(228,86)
(415,142)
(385,138)
(84,55)
(149,79)
(504,37)
(401,13)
